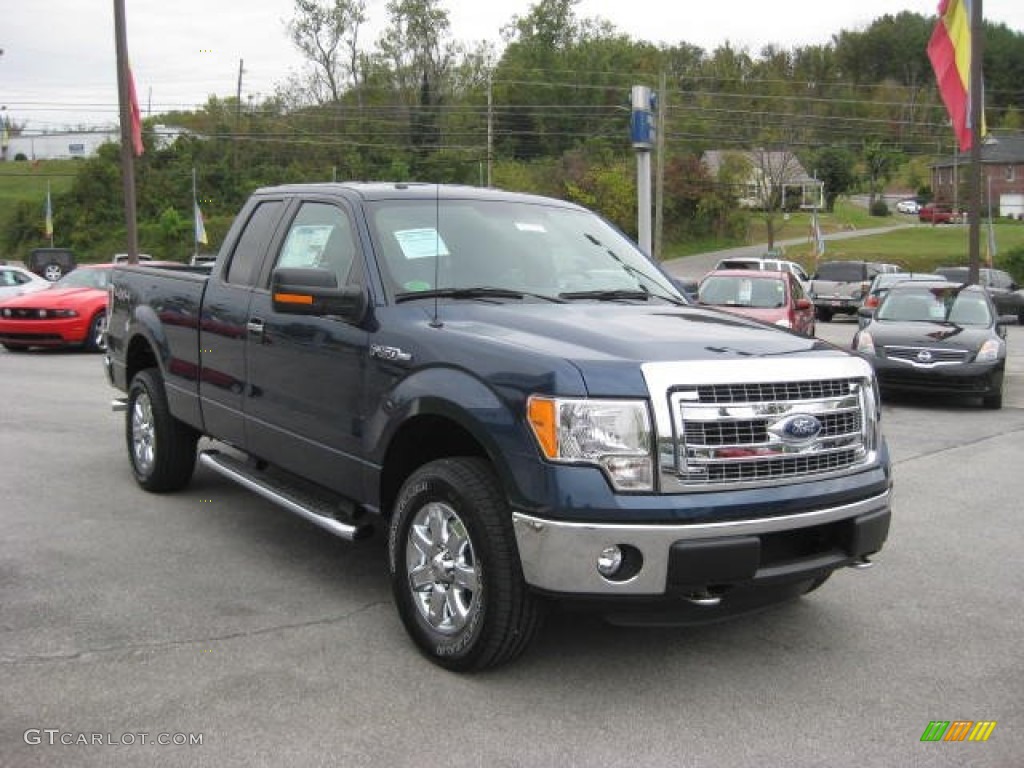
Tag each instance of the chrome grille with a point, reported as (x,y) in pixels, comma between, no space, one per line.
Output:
(787,390)
(927,356)
(736,434)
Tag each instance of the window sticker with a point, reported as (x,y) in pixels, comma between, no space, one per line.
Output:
(304,245)
(422,243)
(525,226)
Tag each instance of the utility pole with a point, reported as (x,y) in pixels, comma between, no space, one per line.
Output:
(977,115)
(127,144)
(490,131)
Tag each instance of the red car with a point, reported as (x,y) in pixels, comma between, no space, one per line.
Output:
(937,214)
(771,297)
(73,312)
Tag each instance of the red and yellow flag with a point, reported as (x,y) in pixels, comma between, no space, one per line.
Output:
(949,51)
(136,113)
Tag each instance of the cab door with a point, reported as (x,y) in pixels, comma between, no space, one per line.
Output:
(307,373)
(223,380)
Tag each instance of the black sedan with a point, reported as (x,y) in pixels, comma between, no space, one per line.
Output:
(936,337)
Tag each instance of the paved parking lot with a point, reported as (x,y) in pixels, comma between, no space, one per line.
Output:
(210,615)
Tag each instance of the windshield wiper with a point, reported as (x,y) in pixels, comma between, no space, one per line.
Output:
(611,295)
(472,293)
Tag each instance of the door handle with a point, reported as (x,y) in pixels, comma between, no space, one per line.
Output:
(254,326)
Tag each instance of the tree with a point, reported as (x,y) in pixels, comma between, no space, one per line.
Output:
(327,34)
(834,166)
(879,163)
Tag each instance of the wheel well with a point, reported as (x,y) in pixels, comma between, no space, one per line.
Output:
(140,356)
(420,440)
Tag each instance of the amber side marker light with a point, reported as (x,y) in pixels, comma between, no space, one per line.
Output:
(293,298)
(541,413)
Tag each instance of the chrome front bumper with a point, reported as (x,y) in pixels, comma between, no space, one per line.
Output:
(561,557)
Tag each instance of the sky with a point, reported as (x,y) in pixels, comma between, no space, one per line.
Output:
(57,68)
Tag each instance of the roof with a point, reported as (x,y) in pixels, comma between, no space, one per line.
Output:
(776,160)
(996,148)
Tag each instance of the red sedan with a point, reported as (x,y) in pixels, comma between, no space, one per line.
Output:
(73,312)
(771,297)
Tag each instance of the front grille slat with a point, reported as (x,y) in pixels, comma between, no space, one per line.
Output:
(742,433)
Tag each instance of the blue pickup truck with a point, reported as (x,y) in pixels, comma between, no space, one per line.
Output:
(512,393)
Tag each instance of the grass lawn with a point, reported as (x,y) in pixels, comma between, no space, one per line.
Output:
(27,181)
(919,247)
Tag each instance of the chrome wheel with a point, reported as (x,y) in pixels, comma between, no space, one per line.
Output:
(98,333)
(442,568)
(143,434)
(53,272)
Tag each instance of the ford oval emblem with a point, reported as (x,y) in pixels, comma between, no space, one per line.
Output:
(799,428)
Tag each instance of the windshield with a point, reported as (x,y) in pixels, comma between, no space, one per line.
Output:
(735,291)
(84,277)
(528,248)
(935,305)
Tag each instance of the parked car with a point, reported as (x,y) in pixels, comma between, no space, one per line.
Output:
(840,287)
(771,297)
(1006,294)
(72,312)
(937,336)
(932,213)
(908,206)
(770,264)
(51,263)
(883,282)
(15,280)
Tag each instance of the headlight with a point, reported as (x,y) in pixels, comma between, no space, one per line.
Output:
(989,351)
(63,313)
(784,323)
(614,435)
(865,343)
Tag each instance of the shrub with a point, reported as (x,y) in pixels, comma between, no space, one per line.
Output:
(879,208)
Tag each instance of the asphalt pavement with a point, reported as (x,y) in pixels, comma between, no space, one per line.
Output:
(210,616)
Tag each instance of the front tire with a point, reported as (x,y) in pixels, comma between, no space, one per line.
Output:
(96,340)
(993,402)
(455,569)
(162,449)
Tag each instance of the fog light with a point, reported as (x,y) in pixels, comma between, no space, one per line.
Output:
(609,561)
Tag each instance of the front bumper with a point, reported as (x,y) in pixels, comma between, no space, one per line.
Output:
(561,557)
(56,332)
(965,379)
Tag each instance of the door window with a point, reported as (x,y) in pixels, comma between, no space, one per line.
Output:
(320,237)
(245,260)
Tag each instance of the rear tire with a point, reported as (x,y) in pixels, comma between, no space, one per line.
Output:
(455,570)
(162,450)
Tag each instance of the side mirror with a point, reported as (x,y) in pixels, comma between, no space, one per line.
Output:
(301,291)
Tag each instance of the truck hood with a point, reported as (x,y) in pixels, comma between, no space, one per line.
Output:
(602,333)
